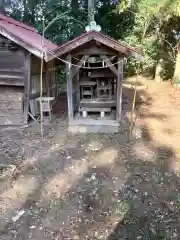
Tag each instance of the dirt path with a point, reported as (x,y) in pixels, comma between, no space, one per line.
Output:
(94,186)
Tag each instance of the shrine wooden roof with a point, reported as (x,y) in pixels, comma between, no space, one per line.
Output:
(111,43)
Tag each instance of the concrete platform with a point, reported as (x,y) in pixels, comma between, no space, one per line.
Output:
(93,129)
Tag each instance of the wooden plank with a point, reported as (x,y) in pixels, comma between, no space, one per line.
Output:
(11,113)
(78,90)
(94,109)
(10,76)
(68,47)
(93,49)
(75,70)
(13,120)
(11,82)
(102,73)
(46,79)
(37,94)
(11,94)
(10,105)
(69,87)
(109,63)
(27,76)
(87,83)
(119,90)
(12,70)
(112,43)
(98,103)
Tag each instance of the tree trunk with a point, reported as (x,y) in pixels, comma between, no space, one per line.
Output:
(91,10)
(177,66)
(159,69)
(2,6)
(74,6)
(26,14)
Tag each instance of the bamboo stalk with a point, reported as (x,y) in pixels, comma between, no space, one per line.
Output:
(132,112)
(41,95)
(133,105)
(41,84)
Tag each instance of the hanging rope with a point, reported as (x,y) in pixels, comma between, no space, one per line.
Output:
(80,60)
(41,84)
(75,65)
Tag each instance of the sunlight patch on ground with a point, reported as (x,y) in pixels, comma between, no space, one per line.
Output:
(105,157)
(143,152)
(61,183)
(16,196)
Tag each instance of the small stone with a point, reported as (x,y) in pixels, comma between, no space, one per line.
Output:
(145,194)
(76,237)
(93,177)
(175,234)
(139,237)
(32,227)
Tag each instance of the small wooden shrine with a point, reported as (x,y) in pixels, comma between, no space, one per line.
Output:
(94,72)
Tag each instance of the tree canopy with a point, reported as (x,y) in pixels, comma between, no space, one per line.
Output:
(149,25)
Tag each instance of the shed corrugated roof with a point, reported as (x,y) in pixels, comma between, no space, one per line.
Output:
(25,34)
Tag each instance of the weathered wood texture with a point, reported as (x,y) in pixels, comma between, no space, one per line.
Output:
(69,87)
(75,70)
(100,39)
(35,75)
(49,77)
(110,64)
(27,78)
(119,90)
(20,42)
(93,49)
(11,63)
(11,111)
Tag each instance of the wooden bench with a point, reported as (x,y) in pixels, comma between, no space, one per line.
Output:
(85,110)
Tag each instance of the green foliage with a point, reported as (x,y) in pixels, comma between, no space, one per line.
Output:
(155,25)
(148,25)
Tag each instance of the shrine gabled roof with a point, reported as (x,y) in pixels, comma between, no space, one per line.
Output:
(98,37)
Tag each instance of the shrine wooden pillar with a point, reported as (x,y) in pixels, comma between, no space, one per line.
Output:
(119,90)
(27,76)
(69,87)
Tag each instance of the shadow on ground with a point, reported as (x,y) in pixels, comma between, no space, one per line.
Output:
(92,186)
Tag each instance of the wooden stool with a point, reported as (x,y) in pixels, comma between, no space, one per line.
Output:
(46,105)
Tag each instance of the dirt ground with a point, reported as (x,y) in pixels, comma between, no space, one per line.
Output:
(95,186)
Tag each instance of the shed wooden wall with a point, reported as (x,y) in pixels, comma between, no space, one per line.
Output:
(11,63)
(11,109)
(11,82)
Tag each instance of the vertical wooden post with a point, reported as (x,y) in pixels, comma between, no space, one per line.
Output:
(78,90)
(69,87)
(119,90)
(27,76)
(47,79)
(56,89)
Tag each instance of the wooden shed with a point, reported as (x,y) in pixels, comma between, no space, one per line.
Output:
(20,57)
(94,70)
